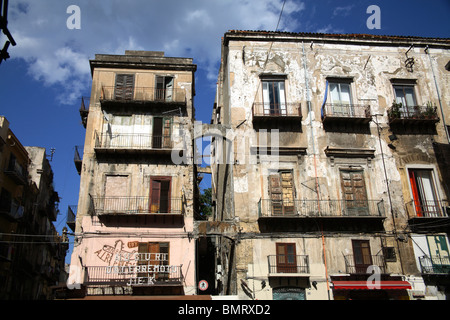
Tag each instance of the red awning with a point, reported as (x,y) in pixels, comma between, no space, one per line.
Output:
(369,285)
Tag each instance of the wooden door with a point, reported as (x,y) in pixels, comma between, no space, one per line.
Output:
(276,195)
(160,195)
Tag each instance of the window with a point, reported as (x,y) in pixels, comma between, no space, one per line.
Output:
(355,195)
(361,255)
(154,254)
(281,189)
(164,88)
(274,98)
(341,98)
(404,94)
(424,193)
(286,258)
(124,89)
(161,132)
(160,194)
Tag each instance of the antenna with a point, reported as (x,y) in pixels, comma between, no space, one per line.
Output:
(52,152)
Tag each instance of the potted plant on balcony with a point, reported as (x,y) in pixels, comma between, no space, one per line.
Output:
(394,111)
(430,111)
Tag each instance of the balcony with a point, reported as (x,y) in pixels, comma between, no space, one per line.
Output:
(78,158)
(346,113)
(102,206)
(71,217)
(84,110)
(331,215)
(142,96)
(352,267)
(132,143)
(131,275)
(434,265)
(320,208)
(416,115)
(288,265)
(17,173)
(430,212)
(279,113)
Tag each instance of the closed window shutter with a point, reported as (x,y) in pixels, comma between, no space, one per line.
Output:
(124,89)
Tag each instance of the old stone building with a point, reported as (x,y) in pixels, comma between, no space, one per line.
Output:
(134,218)
(331,182)
(32,252)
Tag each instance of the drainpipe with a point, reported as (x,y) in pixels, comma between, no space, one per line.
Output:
(438,94)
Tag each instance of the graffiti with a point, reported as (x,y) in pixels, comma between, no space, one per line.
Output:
(110,254)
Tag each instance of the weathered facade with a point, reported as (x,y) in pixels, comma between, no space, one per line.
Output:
(334,171)
(134,218)
(32,253)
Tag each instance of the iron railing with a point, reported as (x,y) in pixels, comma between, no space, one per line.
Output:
(286,109)
(133,275)
(132,141)
(428,209)
(321,208)
(413,113)
(434,265)
(288,263)
(341,110)
(150,94)
(136,206)
(352,267)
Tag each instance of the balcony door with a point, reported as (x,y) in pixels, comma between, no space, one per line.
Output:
(355,195)
(274,98)
(405,95)
(361,255)
(424,193)
(161,132)
(160,189)
(341,99)
(286,258)
(164,88)
(154,254)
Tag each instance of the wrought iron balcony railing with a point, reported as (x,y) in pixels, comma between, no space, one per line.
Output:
(132,141)
(362,267)
(346,111)
(428,209)
(435,265)
(288,263)
(398,113)
(133,275)
(136,206)
(143,94)
(321,208)
(282,110)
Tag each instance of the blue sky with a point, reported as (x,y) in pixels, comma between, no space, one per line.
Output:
(48,72)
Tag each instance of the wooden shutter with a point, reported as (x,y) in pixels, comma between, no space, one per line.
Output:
(286,258)
(124,89)
(287,185)
(276,196)
(166,133)
(355,195)
(361,255)
(155,196)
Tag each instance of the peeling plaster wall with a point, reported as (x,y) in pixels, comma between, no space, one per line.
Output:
(371,68)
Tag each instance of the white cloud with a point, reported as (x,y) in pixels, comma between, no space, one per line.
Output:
(57,55)
(342,11)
